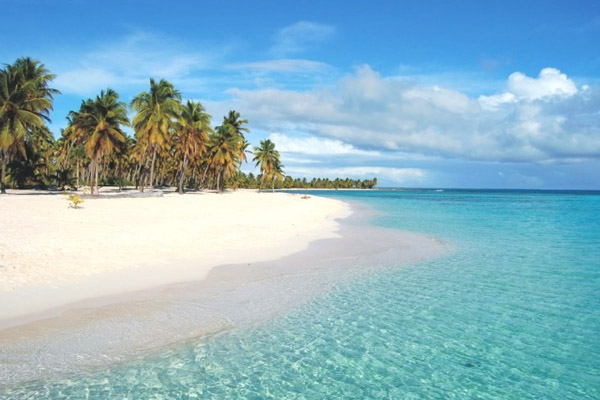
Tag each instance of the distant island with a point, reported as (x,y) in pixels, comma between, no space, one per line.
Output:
(174,143)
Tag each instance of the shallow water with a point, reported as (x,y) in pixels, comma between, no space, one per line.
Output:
(512,312)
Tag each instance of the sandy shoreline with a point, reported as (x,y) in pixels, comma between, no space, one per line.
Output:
(125,324)
(51,255)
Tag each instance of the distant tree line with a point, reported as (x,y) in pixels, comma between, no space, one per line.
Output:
(251,181)
(173,144)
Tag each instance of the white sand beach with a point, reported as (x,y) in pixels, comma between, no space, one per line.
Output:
(51,254)
(120,277)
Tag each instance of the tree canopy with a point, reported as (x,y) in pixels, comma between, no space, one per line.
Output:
(173,142)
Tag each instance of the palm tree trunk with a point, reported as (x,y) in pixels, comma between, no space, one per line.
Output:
(66,159)
(120,175)
(182,174)
(142,181)
(273,187)
(143,175)
(89,175)
(219,181)
(204,175)
(96,179)
(262,179)
(138,175)
(192,181)
(77,173)
(3,176)
(152,169)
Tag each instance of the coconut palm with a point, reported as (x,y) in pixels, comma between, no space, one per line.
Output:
(71,144)
(97,126)
(276,173)
(35,166)
(224,149)
(267,158)
(192,130)
(25,104)
(35,71)
(233,119)
(125,161)
(157,111)
(243,150)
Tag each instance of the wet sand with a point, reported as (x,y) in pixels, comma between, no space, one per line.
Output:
(99,332)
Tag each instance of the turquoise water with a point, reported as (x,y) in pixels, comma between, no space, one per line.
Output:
(513,312)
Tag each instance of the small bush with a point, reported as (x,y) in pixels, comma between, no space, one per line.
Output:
(74,200)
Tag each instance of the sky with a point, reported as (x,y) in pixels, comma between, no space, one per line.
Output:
(454,94)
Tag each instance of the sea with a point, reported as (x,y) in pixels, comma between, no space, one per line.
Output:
(512,311)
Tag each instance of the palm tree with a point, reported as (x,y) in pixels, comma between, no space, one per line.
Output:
(37,72)
(224,149)
(157,111)
(192,130)
(243,149)
(35,166)
(267,158)
(233,119)
(277,173)
(72,143)
(97,126)
(125,161)
(25,104)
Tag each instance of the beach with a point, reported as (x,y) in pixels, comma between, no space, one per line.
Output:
(420,292)
(47,245)
(140,272)
(319,200)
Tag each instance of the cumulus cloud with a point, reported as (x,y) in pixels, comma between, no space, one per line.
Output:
(550,82)
(543,119)
(301,36)
(495,101)
(316,146)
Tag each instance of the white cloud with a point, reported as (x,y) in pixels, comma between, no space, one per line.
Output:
(286,65)
(316,146)
(298,160)
(131,61)
(438,97)
(550,82)
(86,80)
(495,101)
(544,119)
(301,36)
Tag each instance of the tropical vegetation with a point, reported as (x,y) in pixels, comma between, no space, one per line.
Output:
(167,142)
(25,105)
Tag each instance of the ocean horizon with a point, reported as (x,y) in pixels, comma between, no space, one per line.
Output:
(511,311)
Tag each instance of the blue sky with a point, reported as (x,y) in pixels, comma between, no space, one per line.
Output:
(483,94)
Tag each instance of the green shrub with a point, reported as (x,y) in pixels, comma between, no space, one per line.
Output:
(74,200)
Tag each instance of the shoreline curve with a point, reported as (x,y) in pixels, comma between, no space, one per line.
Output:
(124,327)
